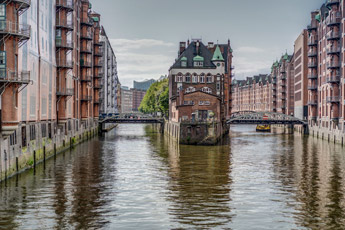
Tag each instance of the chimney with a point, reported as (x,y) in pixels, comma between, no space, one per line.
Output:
(210,45)
(188,43)
(182,47)
(181,96)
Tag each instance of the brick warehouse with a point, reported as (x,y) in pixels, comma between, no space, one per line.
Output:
(199,88)
(51,78)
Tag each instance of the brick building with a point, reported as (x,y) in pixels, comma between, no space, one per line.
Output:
(51,66)
(199,83)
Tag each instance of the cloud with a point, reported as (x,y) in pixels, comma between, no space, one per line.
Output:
(249,49)
(142,59)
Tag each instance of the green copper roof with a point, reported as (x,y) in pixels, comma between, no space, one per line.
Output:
(286,56)
(318,17)
(95,19)
(217,56)
(198,58)
(231,50)
(184,59)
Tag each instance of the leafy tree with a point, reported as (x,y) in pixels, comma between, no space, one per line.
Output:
(156,98)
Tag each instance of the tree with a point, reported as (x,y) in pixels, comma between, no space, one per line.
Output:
(156,98)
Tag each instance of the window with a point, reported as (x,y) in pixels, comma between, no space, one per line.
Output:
(179,78)
(3,64)
(13,138)
(190,89)
(44,130)
(198,64)
(204,103)
(209,78)
(24,141)
(32,132)
(206,90)
(183,63)
(188,78)
(202,78)
(195,78)
(2,11)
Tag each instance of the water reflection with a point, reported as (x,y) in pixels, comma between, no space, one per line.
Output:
(135,178)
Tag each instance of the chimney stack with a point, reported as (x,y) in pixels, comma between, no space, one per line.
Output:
(182,47)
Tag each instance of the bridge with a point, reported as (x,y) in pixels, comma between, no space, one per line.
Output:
(264,118)
(131,119)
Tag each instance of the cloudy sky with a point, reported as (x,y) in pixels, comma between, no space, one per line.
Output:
(145,33)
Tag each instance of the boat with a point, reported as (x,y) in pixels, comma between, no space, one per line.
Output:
(263,128)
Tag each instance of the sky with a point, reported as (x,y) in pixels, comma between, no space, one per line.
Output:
(145,34)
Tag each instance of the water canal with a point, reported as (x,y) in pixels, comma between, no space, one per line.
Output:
(134,178)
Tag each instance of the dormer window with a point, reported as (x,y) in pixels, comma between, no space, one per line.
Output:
(198,61)
(184,62)
(206,90)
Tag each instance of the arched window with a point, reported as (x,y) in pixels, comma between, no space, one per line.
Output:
(195,78)
(188,77)
(179,77)
(209,78)
(202,78)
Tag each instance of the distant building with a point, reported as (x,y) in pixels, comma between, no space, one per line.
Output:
(138,96)
(143,85)
(126,100)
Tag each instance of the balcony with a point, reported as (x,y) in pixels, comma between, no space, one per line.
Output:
(87,21)
(312,76)
(333,35)
(335,20)
(333,79)
(22,4)
(312,26)
(86,79)
(15,77)
(86,36)
(312,64)
(86,98)
(283,77)
(333,50)
(333,65)
(99,64)
(62,44)
(99,53)
(282,70)
(99,75)
(97,101)
(65,92)
(64,64)
(98,86)
(335,99)
(312,87)
(98,43)
(15,29)
(312,103)
(85,49)
(312,53)
(332,2)
(65,4)
(85,64)
(64,24)
(312,41)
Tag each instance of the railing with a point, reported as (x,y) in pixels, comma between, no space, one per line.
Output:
(312,64)
(86,78)
(283,77)
(86,98)
(335,99)
(99,64)
(86,35)
(15,28)
(65,92)
(333,50)
(99,53)
(86,49)
(333,79)
(333,35)
(312,76)
(59,43)
(335,19)
(312,53)
(312,41)
(64,63)
(312,102)
(84,63)
(21,77)
(64,23)
(312,87)
(312,26)
(333,64)
(87,21)
(330,2)
(65,3)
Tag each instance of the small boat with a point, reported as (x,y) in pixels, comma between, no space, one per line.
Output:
(263,128)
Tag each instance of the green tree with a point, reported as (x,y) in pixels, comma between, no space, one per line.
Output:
(156,98)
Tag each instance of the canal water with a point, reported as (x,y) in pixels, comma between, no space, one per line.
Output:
(134,178)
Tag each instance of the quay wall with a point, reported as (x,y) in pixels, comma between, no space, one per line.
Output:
(37,141)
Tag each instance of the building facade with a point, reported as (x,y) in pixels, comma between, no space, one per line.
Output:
(51,66)
(143,85)
(126,100)
(109,93)
(199,87)
(326,71)
(137,96)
